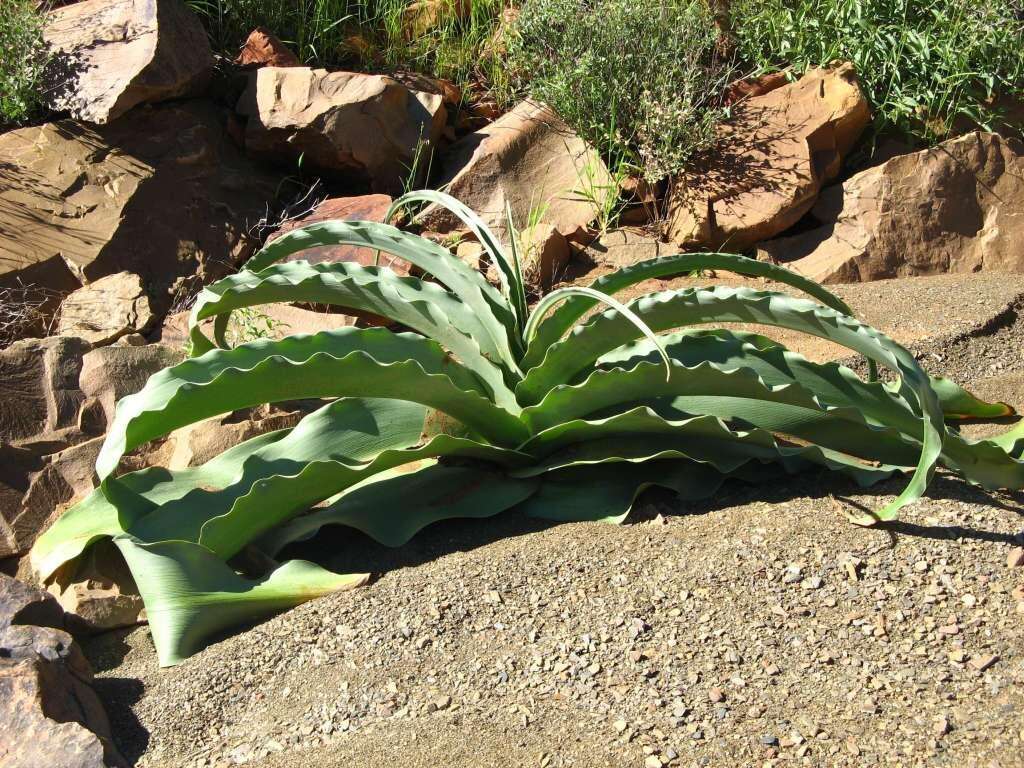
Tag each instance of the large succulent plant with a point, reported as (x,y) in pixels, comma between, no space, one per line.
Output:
(563,417)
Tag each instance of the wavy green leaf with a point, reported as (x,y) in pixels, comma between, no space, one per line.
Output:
(138,494)
(328,364)
(672,309)
(607,493)
(642,434)
(424,307)
(467,283)
(393,510)
(566,316)
(191,595)
(511,278)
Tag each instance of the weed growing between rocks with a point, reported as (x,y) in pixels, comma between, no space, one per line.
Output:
(924,64)
(640,81)
(22,59)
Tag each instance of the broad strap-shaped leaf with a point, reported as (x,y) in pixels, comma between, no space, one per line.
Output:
(464,281)
(671,309)
(508,270)
(393,510)
(344,363)
(350,431)
(959,404)
(984,462)
(606,493)
(331,450)
(556,325)
(191,595)
(640,434)
(739,394)
(424,307)
(138,494)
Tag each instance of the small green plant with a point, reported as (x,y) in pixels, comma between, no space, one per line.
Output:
(924,64)
(602,192)
(22,60)
(641,81)
(487,406)
(250,324)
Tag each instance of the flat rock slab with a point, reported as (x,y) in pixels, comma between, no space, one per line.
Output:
(359,208)
(161,193)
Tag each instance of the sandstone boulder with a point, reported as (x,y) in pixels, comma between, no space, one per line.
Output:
(98,591)
(40,399)
(110,55)
(62,479)
(285,320)
(954,208)
(110,373)
(620,248)
(530,159)
(50,712)
(56,399)
(21,603)
(161,193)
(198,443)
(106,310)
(361,208)
(264,49)
(366,128)
(769,163)
(545,254)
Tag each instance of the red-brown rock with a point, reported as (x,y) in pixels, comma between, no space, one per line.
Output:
(954,208)
(769,163)
(263,49)
(360,208)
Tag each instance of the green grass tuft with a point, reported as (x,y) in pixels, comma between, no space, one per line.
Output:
(928,66)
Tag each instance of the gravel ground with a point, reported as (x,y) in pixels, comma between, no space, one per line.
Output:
(760,628)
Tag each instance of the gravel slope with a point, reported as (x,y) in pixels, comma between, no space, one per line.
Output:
(759,628)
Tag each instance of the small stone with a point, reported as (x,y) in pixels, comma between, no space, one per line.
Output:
(653,761)
(811,582)
(620,726)
(1016,558)
(770,740)
(981,663)
(942,726)
(791,574)
(921,566)
(716,695)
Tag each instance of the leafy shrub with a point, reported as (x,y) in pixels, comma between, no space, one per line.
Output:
(563,427)
(924,63)
(641,81)
(22,60)
(367,34)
